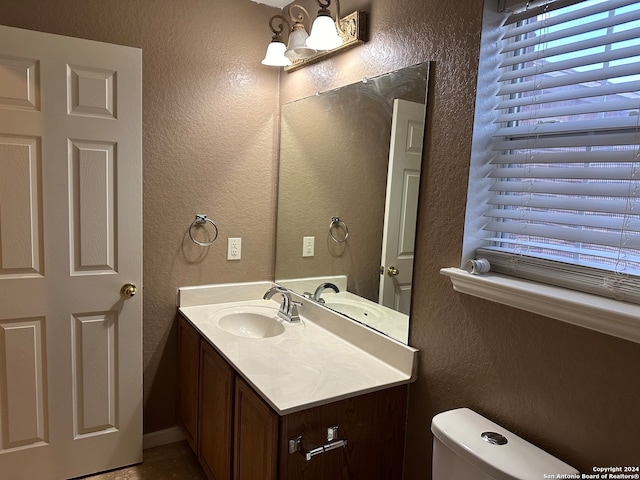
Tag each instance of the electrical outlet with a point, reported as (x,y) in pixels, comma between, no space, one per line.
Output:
(234,248)
(308,246)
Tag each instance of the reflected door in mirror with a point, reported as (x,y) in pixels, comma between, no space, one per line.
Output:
(403,184)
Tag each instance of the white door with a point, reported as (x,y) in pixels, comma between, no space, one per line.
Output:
(403,184)
(70,237)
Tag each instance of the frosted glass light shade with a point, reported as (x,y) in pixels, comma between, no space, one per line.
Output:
(324,35)
(275,55)
(297,48)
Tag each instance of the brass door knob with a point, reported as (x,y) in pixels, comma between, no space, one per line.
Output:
(393,271)
(128,290)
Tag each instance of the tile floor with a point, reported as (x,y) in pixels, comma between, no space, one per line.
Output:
(175,461)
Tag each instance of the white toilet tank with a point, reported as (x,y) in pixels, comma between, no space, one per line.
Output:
(467,446)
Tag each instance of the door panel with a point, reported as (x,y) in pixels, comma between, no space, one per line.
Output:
(92,194)
(23,404)
(95,376)
(20,206)
(18,83)
(70,237)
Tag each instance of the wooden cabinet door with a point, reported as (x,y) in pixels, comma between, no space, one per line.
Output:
(216,414)
(256,436)
(188,378)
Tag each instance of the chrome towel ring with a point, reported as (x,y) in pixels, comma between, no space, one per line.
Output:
(337,223)
(200,221)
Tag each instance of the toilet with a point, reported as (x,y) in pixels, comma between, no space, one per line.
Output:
(467,446)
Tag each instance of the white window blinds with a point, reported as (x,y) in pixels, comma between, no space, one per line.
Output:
(563,204)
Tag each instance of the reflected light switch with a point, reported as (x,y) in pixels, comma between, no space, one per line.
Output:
(308,246)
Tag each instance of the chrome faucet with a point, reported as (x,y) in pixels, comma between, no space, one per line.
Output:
(288,308)
(321,288)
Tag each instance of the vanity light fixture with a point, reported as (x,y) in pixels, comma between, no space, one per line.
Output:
(328,36)
(275,50)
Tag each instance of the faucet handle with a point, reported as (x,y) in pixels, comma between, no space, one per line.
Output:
(293,311)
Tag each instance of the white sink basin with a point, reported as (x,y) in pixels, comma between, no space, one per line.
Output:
(356,310)
(250,322)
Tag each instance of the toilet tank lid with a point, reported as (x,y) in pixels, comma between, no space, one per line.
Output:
(461,430)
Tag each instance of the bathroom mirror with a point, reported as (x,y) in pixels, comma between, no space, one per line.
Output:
(334,214)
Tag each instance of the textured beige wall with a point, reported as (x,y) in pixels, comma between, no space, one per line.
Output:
(209,130)
(210,117)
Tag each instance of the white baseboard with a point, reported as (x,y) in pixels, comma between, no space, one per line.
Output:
(162,437)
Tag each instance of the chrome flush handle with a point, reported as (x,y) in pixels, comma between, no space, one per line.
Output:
(295,444)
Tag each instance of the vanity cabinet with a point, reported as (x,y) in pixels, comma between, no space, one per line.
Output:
(240,437)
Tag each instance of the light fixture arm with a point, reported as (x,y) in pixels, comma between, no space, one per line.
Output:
(300,17)
(277,31)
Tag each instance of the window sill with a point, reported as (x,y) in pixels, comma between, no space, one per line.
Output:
(601,314)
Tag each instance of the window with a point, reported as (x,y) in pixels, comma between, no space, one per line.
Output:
(554,187)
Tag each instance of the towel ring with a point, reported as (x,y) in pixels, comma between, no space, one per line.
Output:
(201,220)
(336,222)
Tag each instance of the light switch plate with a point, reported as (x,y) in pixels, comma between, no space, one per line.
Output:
(308,246)
(234,248)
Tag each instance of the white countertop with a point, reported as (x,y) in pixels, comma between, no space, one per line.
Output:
(311,363)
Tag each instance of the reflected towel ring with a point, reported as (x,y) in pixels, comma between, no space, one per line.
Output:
(336,222)
(201,220)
